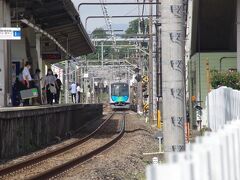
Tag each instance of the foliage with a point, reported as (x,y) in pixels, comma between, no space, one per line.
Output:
(119,53)
(229,79)
(99,33)
(133,26)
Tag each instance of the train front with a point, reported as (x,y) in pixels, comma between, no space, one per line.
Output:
(119,96)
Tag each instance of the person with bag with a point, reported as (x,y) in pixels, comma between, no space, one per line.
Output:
(50,86)
(26,80)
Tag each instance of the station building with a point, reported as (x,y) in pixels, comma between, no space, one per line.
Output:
(51,31)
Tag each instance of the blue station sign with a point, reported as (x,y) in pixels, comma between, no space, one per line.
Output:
(10,33)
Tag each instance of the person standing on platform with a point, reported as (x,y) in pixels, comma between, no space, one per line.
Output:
(27,78)
(73,91)
(50,86)
(78,93)
(37,84)
(59,85)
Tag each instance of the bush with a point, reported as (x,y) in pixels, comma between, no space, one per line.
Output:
(229,79)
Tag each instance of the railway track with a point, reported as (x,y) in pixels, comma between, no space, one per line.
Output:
(18,168)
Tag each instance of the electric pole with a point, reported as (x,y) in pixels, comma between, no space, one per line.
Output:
(140,66)
(173,48)
(102,54)
(66,81)
(66,74)
(139,87)
(158,65)
(150,72)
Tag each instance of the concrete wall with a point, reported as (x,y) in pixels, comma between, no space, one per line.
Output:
(18,51)
(23,130)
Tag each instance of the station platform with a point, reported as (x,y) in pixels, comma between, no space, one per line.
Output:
(26,129)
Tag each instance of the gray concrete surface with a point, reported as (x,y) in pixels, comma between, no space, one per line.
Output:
(27,129)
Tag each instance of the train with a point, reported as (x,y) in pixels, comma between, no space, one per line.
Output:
(119,94)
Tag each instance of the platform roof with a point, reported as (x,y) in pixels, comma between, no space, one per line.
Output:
(60,19)
(214,26)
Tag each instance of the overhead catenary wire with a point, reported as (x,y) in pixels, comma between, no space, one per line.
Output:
(108,21)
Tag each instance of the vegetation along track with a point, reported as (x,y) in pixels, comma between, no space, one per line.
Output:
(26,165)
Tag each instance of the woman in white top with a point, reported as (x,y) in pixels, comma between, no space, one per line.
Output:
(50,86)
(26,75)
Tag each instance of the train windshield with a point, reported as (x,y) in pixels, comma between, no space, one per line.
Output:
(119,89)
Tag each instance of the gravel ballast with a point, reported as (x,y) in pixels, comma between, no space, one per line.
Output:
(125,160)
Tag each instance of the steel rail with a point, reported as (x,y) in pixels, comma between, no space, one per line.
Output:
(53,173)
(34,160)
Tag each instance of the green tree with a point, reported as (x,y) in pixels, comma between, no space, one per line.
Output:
(99,33)
(133,26)
(229,79)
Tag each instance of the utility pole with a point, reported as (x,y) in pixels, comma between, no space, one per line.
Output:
(150,72)
(140,66)
(102,53)
(66,81)
(173,48)
(139,87)
(158,65)
(66,74)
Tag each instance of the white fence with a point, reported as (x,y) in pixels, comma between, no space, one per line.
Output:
(222,105)
(215,156)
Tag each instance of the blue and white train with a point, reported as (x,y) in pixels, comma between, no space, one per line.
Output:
(119,95)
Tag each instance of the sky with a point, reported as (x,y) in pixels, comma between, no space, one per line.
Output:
(93,10)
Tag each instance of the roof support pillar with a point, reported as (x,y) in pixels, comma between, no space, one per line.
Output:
(5,61)
(38,49)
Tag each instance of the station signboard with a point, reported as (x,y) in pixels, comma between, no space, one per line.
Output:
(10,33)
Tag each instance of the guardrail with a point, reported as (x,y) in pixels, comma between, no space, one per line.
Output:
(215,156)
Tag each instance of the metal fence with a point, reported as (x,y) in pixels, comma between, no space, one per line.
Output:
(215,156)
(222,105)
